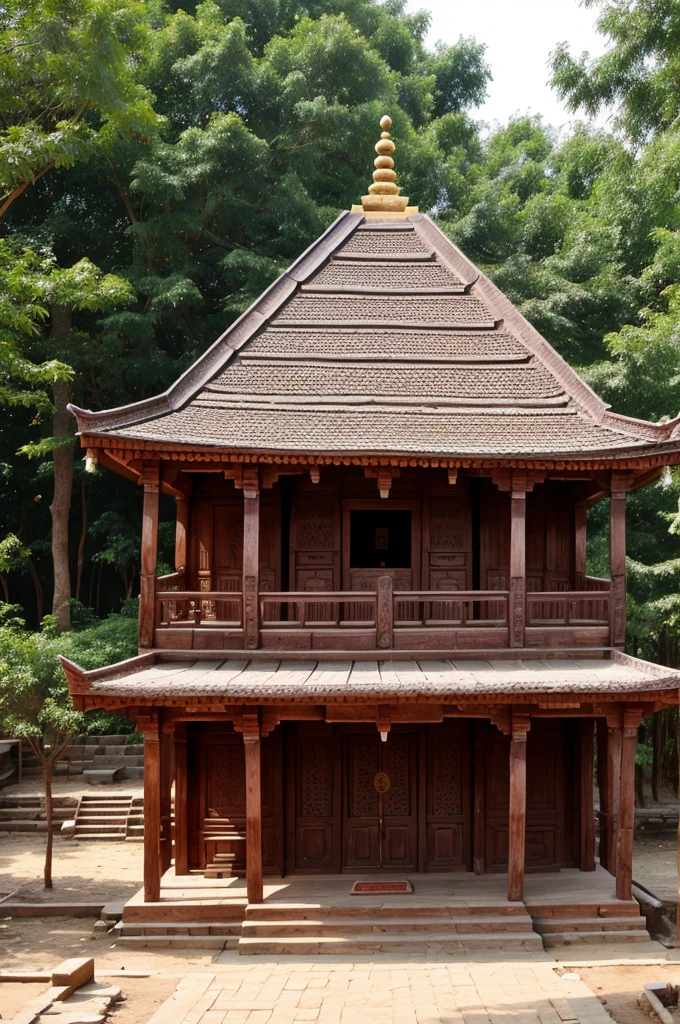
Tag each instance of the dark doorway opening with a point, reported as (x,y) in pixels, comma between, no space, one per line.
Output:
(380,540)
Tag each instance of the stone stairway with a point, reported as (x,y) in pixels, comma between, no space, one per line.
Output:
(27,813)
(389,928)
(584,924)
(107,816)
(146,926)
(91,754)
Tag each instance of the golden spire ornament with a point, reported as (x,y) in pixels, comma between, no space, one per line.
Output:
(383,200)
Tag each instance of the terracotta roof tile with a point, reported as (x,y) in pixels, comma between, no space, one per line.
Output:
(424,309)
(496,346)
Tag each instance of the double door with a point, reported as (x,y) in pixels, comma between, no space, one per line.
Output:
(380,826)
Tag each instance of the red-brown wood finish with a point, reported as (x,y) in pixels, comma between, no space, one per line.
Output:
(182,822)
(587,814)
(147,580)
(152,808)
(253,786)
(624,858)
(517,814)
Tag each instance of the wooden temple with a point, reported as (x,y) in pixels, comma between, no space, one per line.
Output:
(380,650)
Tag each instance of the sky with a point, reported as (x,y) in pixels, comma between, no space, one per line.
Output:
(519,35)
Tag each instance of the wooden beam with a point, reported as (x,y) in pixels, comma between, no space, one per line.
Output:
(251,559)
(147,583)
(587,812)
(181,800)
(518,514)
(602,785)
(252,744)
(181,526)
(617,559)
(614,737)
(624,859)
(517,811)
(580,535)
(148,726)
(166,777)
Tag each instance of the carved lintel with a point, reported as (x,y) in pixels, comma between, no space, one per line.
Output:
(561,703)
(383,720)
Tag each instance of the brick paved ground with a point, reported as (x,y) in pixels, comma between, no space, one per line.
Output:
(445,992)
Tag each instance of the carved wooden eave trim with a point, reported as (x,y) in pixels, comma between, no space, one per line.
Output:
(79,679)
(129,455)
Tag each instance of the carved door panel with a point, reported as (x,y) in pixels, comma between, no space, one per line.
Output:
(448,797)
(380,814)
(316,817)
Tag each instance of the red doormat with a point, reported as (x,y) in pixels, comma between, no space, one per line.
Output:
(368,888)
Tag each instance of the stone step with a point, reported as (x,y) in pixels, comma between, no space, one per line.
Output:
(551,939)
(101,820)
(343,928)
(21,801)
(106,826)
(226,928)
(107,761)
(177,941)
(303,911)
(508,941)
(104,776)
(134,771)
(547,925)
(19,813)
(101,798)
(101,836)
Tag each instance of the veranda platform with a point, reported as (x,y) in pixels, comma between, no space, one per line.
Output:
(454,911)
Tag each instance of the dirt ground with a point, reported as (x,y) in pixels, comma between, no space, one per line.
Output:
(143,996)
(620,988)
(655,864)
(83,870)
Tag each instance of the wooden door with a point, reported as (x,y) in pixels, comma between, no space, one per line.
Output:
(380,827)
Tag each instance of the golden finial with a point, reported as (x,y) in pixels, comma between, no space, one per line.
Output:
(383,198)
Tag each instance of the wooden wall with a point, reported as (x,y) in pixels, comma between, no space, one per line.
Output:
(322,813)
(461,533)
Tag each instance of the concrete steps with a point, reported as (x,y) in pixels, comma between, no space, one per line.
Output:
(589,924)
(182,935)
(284,930)
(27,813)
(102,817)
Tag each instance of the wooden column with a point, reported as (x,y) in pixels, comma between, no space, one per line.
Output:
(614,737)
(181,526)
(148,726)
(580,536)
(517,805)
(479,820)
(624,858)
(251,559)
(617,559)
(166,778)
(181,795)
(147,583)
(252,744)
(518,514)
(602,788)
(587,812)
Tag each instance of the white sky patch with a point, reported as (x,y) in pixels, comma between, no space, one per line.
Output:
(519,36)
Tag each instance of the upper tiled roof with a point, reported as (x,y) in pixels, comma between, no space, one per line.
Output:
(383,339)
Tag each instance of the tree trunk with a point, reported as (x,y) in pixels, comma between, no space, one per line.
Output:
(38,589)
(63,481)
(48,815)
(657,763)
(5,587)
(83,535)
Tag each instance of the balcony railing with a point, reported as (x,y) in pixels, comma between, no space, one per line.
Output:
(379,619)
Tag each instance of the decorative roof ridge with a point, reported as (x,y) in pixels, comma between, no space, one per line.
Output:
(629,425)
(518,325)
(237,334)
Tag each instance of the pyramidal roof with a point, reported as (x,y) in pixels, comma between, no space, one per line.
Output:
(382,339)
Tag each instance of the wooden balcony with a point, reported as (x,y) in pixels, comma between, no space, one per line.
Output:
(381,619)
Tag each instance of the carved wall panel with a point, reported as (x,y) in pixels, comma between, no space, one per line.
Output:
(316,777)
(225,773)
(396,764)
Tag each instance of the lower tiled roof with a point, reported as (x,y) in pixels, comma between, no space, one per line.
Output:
(210,420)
(242,679)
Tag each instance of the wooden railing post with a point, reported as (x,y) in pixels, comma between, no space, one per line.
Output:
(517,811)
(617,559)
(181,526)
(147,581)
(518,513)
(252,745)
(148,726)
(384,613)
(251,558)
(624,857)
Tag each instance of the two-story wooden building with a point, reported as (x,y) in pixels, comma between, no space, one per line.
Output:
(380,650)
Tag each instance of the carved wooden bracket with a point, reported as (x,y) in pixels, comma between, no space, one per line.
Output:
(452,475)
(248,723)
(521,723)
(501,718)
(383,721)
(246,478)
(147,724)
(315,474)
(269,475)
(620,483)
(384,475)
(520,481)
(150,476)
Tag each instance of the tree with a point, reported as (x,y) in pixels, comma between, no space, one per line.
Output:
(638,73)
(35,705)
